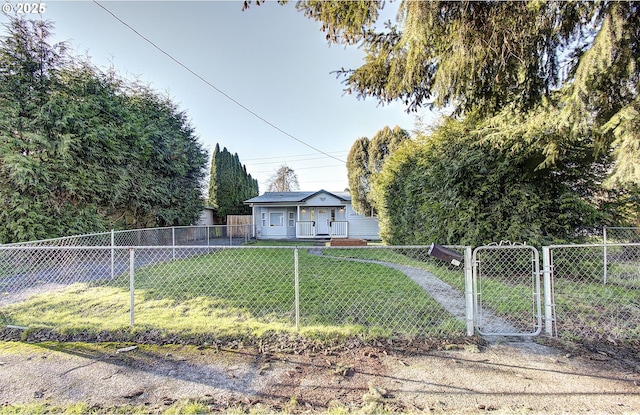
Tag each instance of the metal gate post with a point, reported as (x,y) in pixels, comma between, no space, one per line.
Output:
(548,292)
(468,290)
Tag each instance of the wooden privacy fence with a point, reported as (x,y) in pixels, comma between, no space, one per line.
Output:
(235,228)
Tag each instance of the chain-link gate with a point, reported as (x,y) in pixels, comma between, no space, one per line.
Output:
(506,280)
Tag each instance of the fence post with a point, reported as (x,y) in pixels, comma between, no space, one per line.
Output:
(604,238)
(173,242)
(112,253)
(297,287)
(548,292)
(131,285)
(468,276)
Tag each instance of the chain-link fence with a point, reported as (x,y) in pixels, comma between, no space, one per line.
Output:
(231,290)
(185,236)
(107,283)
(214,235)
(596,291)
(620,235)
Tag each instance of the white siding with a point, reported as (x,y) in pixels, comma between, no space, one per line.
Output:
(324,199)
(265,229)
(362,227)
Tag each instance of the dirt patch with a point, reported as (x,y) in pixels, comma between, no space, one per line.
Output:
(504,377)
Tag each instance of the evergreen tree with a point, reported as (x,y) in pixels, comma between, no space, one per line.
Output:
(212,198)
(365,161)
(82,151)
(34,151)
(169,165)
(229,184)
(454,187)
(358,173)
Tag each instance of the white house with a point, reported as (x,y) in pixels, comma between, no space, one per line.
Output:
(309,215)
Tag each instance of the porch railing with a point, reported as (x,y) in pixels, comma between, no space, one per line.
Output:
(308,229)
(339,229)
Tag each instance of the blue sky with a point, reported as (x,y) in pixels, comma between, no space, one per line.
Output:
(270,59)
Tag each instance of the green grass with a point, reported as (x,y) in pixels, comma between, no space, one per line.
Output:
(367,294)
(586,307)
(241,293)
(591,310)
(505,295)
(625,274)
(413,257)
(267,243)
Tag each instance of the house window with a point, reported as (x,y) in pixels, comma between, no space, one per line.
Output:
(333,215)
(264,218)
(292,222)
(276,219)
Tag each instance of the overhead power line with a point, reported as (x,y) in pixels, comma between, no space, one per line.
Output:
(286,161)
(224,94)
(305,168)
(279,158)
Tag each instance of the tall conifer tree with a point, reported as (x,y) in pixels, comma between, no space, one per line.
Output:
(229,184)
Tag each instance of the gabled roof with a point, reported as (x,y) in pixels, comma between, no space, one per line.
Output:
(295,197)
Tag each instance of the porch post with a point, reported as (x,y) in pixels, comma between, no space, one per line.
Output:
(253,219)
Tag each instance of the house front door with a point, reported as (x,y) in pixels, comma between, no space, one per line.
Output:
(322,222)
